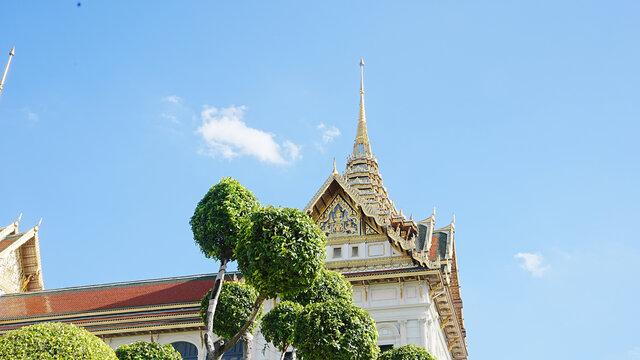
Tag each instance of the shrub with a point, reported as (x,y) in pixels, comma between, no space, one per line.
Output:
(147,351)
(407,352)
(233,309)
(48,341)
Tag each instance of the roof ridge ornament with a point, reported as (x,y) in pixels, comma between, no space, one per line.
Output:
(335,171)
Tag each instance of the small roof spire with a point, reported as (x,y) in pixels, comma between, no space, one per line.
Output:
(335,171)
(6,69)
(361,145)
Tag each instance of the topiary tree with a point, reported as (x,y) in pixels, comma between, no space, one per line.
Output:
(217,223)
(281,253)
(329,285)
(336,330)
(407,352)
(279,323)
(147,351)
(47,341)
(234,308)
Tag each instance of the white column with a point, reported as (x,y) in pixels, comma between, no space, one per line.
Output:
(403,332)
(422,323)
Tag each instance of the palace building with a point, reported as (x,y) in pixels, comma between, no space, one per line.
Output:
(403,272)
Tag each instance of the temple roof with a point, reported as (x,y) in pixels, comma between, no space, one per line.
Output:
(26,249)
(114,309)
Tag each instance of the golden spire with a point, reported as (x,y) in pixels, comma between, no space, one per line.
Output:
(335,171)
(361,145)
(6,69)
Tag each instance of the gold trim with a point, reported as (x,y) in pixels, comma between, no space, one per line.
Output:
(391,261)
(356,239)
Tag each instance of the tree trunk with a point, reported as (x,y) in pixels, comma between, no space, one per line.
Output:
(211,310)
(243,330)
(247,344)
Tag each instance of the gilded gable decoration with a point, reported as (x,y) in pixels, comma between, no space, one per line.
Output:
(369,230)
(339,219)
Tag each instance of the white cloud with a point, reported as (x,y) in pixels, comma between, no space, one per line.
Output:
(32,118)
(173,99)
(228,136)
(170,117)
(328,133)
(533,263)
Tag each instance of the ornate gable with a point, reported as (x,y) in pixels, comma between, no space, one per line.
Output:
(20,267)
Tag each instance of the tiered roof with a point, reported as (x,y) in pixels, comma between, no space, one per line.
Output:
(431,251)
(20,252)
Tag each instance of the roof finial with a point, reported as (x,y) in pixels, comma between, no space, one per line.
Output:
(6,69)
(335,171)
(361,145)
(453,220)
(361,76)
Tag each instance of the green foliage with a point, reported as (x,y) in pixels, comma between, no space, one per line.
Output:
(233,309)
(48,341)
(147,351)
(282,252)
(407,352)
(329,285)
(278,324)
(220,217)
(336,330)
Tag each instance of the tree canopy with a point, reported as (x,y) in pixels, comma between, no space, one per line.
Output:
(49,341)
(282,251)
(329,285)
(336,330)
(142,350)
(278,324)
(407,352)
(220,216)
(233,310)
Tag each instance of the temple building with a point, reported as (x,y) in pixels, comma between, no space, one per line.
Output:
(403,272)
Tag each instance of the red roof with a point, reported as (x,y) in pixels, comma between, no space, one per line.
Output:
(105,297)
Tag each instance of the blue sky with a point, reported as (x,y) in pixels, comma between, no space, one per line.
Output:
(520,117)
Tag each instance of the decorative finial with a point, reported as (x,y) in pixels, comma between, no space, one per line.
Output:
(19,218)
(335,170)
(39,222)
(453,219)
(361,146)
(361,76)
(6,69)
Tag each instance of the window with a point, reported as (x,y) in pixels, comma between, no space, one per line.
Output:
(384,348)
(354,251)
(337,252)
(187,350)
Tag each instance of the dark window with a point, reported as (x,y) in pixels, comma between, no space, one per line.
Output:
(384,348)
(187,350)
(235,353)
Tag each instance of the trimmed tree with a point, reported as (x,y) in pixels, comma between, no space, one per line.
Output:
(217,223)
(142,350)
(279,323)
(47,341)
(407,352)
(234,308)
(282,252)
(329,285)
(336,330)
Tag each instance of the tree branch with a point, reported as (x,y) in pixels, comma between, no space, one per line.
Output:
(212,347)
